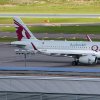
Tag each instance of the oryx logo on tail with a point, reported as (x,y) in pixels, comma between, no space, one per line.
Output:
(21,30)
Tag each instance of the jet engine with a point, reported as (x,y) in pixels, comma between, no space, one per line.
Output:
(89,59)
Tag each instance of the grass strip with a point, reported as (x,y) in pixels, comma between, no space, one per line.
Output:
(50,8)
(7,39)
(59,29)
(51,20)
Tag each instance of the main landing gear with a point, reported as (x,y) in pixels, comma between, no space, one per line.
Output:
(75,62)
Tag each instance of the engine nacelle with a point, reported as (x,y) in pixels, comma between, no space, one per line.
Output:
(89,59)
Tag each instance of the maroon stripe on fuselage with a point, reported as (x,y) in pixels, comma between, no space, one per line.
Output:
(33,46)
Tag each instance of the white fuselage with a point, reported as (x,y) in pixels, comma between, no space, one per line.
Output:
(51,47)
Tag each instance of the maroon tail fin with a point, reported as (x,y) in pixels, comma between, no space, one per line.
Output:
(21,30)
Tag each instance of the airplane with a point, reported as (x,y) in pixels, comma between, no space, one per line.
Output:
(84,52)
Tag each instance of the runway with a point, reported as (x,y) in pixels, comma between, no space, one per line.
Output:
(40,15)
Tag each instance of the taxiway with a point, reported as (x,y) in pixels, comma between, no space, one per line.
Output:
(39,15)
(9,58)
(54,35)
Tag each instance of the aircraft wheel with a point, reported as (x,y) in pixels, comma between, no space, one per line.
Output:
(74,63)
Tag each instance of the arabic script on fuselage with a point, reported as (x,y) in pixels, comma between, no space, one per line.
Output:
(77,44)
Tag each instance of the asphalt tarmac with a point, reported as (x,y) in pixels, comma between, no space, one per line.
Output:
(54,35)
(9,58)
